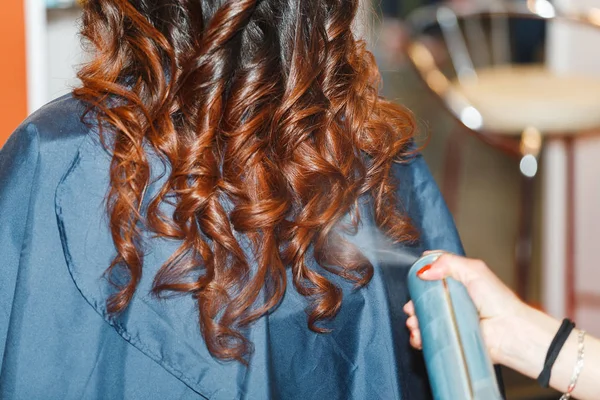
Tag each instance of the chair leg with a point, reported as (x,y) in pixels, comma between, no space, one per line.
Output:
(570,297)
(523,247)
(453,159)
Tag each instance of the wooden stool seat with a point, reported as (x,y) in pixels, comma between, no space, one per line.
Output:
(513,98)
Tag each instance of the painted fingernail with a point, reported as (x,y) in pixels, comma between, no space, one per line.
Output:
(423,270)
(412,335)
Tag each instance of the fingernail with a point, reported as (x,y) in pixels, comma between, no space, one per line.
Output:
(423,270)
(412,335)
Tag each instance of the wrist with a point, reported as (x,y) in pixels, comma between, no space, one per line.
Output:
(527,337)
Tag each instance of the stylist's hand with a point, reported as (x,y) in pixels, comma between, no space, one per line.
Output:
(498,306)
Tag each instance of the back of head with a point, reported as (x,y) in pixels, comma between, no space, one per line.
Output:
(270,106)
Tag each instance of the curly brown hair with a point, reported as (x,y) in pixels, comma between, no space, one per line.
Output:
(268,114)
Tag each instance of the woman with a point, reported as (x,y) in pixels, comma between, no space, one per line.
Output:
(517,335)
(187,223)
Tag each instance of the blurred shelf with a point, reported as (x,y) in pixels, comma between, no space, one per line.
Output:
(62,4)
(63,10)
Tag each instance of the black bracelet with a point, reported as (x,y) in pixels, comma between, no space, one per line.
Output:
(557,343)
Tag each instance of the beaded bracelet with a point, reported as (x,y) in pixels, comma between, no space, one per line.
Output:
(578,366)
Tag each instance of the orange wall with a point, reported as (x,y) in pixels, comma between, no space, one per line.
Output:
(13,71)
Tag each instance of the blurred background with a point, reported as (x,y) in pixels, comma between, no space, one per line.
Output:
(507,96)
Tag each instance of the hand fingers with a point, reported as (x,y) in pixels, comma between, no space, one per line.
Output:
(451,265)
(409,309)
(415,339)
(434,271)
(415,334)
(412,323)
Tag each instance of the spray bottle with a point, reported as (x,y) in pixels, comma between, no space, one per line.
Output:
(455,354)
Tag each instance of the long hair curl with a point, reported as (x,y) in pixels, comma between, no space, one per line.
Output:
(268,114)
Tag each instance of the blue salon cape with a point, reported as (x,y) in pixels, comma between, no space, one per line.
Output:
(58,342)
